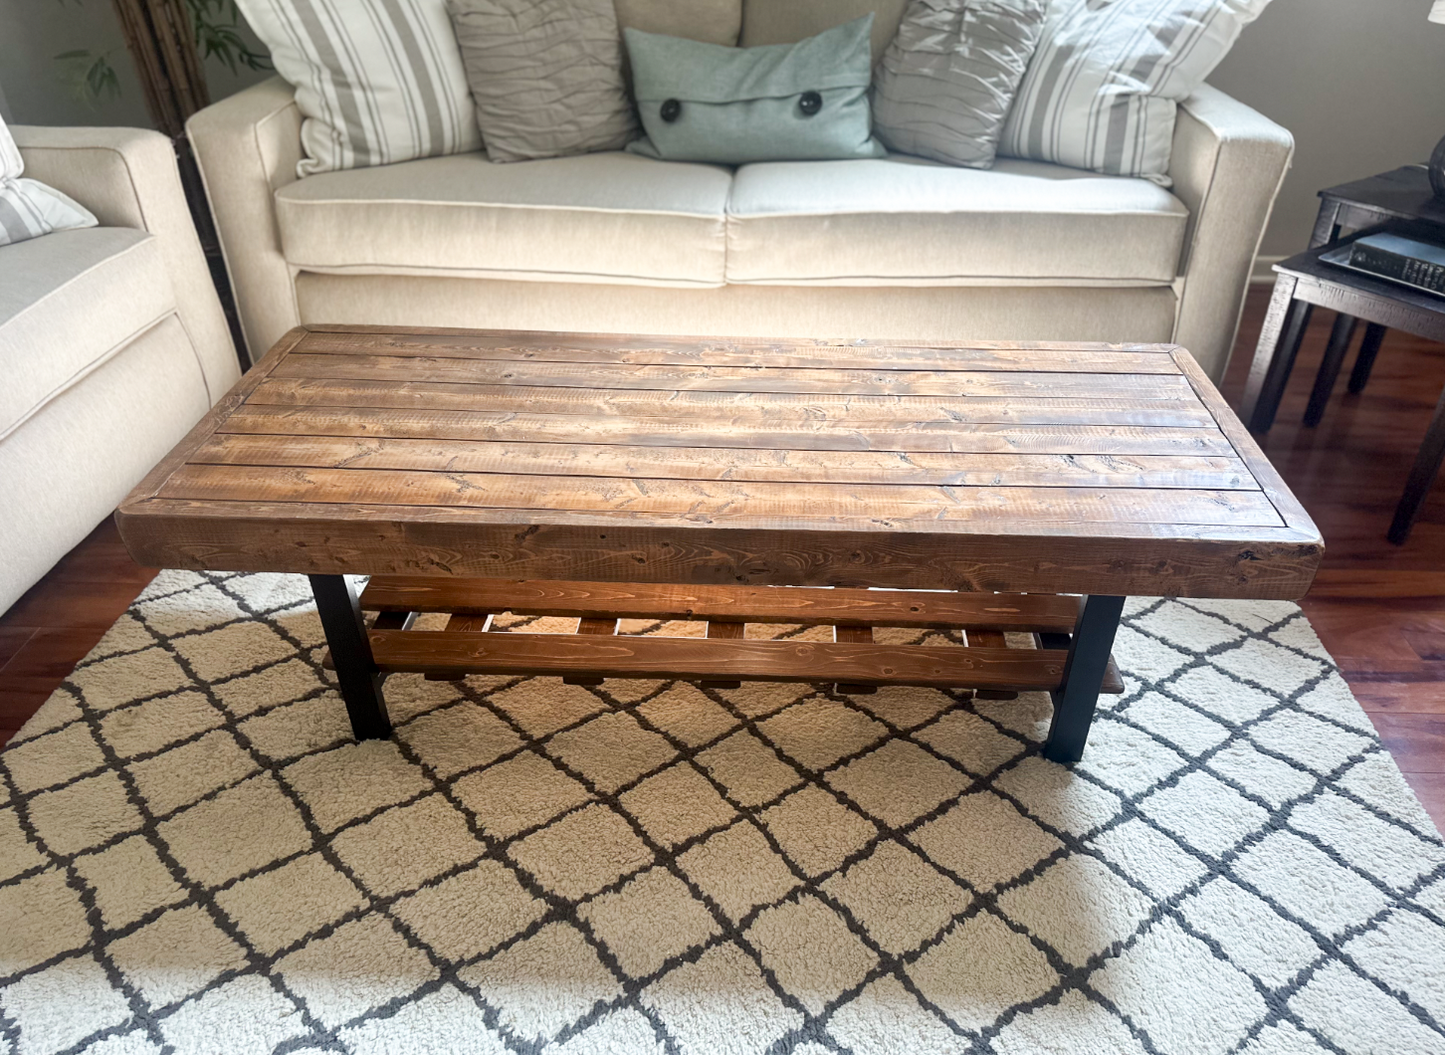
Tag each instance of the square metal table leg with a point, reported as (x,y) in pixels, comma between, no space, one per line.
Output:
(356,671)
(1083,676)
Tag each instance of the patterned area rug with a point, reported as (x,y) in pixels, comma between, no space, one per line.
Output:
(194,857)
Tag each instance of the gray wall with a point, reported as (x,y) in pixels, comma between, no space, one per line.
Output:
(1360,83)
(33,32)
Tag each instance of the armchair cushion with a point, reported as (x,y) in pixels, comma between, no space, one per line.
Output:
(68,303)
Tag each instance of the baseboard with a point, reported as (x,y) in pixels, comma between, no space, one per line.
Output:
(1262,273)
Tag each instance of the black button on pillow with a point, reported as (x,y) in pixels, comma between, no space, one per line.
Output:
(810,103)
(671,110)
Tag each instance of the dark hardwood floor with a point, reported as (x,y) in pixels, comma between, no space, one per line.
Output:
(1380,609)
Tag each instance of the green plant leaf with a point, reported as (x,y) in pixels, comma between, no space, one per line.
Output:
(216,26)
(89,77)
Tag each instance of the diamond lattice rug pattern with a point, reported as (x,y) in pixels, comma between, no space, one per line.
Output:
(195,857)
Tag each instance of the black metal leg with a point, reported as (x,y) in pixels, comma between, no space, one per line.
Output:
(1422,476)
(351,652)
(1279,340)
(1365,361)
(1083,675)
(1340,338)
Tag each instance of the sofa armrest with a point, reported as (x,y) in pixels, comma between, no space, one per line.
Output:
(248,146)
(1228,163)
(128,178)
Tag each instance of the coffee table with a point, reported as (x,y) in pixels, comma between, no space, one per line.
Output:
(733,481)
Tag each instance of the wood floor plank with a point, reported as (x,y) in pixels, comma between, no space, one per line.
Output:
(665,351)
(708,378)
(1416,741)
(68,603)
(1430,789)
(11,640)
(1006,505)
(951,437)
(49,654)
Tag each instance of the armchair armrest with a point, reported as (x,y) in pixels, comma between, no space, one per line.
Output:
(128,178)
(1228,163)
(248,146)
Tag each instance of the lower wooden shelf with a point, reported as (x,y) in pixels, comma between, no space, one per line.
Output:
(853,662)
(447,652)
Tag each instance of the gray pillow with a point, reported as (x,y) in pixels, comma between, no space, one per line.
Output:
(781,102)
(944,86)
(546,76)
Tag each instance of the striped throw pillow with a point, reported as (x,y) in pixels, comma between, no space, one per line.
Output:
(1102,88)
(28,208)
(377,81)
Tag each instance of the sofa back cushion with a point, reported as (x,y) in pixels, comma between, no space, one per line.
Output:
(710,21)
(789,21)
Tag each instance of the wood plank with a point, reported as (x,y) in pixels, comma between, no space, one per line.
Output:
(663,351)
(478,623)
(737,464)
(470,623)
(707,378)
(742,409)
(727,631)
(854,635)
(1122,558)
(663,657)
(393,620)
(488,492)
(950,437)
(727,607)
(991,638)
(591,627)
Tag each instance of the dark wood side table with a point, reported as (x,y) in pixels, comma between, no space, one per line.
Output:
(1304,281)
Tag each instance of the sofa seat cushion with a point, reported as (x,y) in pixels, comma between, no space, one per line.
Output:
(69,301)
(906,221)
(609,217)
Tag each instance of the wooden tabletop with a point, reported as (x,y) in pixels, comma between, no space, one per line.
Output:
(1042,468)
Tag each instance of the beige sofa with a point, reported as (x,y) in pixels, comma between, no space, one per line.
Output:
(898,247)
(112,342)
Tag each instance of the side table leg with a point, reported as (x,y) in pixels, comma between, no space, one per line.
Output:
(1340,338)
(1083,675)
(1279,340)
(356,671)
(1422,476)
(1365,361)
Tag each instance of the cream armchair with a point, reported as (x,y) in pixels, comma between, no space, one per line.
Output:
(112,342)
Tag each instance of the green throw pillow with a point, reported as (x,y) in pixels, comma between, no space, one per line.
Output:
(779,102)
